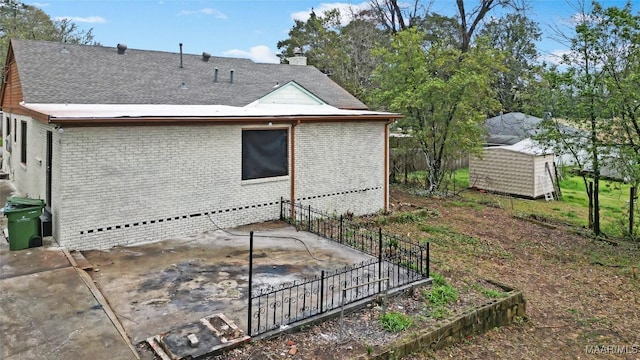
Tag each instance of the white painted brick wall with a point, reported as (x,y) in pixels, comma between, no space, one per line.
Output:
(29,178)
(138,184)
(115,186)
(347,159)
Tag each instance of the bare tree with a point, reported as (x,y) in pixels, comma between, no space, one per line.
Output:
(470,19)
(394,16)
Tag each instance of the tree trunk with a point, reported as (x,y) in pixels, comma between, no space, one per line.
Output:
(590,194)
(632,199)
(596,205)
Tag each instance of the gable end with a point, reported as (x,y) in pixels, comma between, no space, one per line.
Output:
(11,87)
(291,93)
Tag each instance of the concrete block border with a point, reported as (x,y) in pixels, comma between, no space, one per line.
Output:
(495,313)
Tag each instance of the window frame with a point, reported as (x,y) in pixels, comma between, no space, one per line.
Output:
(278,167)
(23,142)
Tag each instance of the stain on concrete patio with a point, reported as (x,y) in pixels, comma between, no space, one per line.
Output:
(155,287)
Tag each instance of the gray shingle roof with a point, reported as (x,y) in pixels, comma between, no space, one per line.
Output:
(510,128)
(84,74)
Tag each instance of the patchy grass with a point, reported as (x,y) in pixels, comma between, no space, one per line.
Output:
(556,269)
(404,217)
(459,180)
(572,209)
(395,321)
(439,296)
(490,293)
(614,204)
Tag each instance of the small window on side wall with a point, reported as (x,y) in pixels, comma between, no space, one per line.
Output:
(7,140)
(23,142)
(264,154)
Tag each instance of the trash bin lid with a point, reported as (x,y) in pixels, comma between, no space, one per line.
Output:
(24,201)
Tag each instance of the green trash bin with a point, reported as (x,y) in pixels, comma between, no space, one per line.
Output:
(23,216)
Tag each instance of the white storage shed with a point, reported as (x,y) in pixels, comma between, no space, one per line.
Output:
(523,169)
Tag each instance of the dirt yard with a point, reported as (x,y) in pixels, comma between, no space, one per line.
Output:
(582,294)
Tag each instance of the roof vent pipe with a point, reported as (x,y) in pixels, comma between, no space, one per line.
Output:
(231,77)
(121,48)
(181,56)
(206,56)
(215,75)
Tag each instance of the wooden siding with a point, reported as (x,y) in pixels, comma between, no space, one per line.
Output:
(12,92)
(508,172)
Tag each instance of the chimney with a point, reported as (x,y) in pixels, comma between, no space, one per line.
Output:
(206,56)
(297,59)
(121,48)
(231,77)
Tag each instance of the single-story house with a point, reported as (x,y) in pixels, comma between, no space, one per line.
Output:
(128,146)
(512,163)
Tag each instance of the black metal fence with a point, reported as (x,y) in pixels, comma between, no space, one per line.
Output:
(385,246)
(396,259)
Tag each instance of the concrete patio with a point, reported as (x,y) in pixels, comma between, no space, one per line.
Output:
(60,305)
(48,312)
(50,307)
(155,287)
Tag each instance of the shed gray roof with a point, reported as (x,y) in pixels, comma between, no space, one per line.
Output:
(82,74)
(511,128)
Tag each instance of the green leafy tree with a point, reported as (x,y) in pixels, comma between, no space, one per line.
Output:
(21,21)
(340,51)
(515,35)
(620,58)
(595,95)
(354,64)
(618,41)
(316,38)
(442,92)
(440,29)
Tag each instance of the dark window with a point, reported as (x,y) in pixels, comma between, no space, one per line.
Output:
(8,126)
(264,153)
(23,142)
(15,130)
